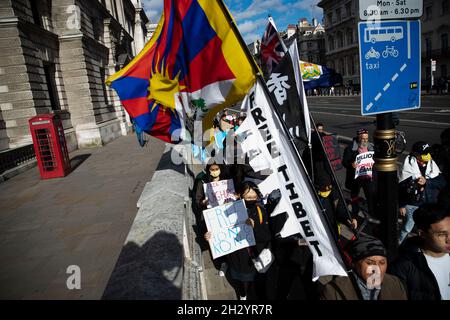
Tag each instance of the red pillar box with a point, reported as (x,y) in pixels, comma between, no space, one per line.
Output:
(50,146)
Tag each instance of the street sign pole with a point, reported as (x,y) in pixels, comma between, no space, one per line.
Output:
(390,80)
(387,182)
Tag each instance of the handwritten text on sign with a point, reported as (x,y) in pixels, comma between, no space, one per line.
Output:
(229,232)
(219,192)
(364,164)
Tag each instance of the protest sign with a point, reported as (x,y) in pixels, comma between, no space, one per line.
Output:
(229,232)
(219,192)
(364,163)
(331,145)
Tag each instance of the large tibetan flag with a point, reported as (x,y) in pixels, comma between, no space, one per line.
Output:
(194,65)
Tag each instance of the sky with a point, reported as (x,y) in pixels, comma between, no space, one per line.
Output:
(251,15)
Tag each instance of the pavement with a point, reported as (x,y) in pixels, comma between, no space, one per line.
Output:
(82,219)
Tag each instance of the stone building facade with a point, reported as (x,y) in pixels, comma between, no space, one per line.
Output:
(435,43)
(341,41)
(311,42)
(55,57)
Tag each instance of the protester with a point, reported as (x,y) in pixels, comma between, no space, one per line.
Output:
(335,210)
(242,268)
(424,261)
(224,126)
(320,127)
(360,145)
(420,182)
(368,279)
(214,172)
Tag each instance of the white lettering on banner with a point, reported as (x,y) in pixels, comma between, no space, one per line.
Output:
(303,210)
(278,86)
(229,232)
(364,163)
(219,192)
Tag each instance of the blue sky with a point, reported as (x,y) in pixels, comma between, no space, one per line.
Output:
(251,15)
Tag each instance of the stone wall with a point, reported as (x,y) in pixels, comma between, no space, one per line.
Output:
(79,40)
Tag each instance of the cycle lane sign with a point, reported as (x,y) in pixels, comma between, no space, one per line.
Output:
(389,65)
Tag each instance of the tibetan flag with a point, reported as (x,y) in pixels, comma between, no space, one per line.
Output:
(199,66)
(132,83)
(317,76)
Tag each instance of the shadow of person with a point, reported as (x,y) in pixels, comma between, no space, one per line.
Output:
(153,271)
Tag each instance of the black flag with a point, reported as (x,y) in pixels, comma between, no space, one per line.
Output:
(286,87)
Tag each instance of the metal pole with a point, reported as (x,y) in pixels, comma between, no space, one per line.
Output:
(387,182)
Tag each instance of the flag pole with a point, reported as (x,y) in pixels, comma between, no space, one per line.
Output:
(283,124)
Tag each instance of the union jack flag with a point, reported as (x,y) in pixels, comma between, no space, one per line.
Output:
(272,47)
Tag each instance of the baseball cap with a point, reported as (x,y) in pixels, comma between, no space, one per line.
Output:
(421,147)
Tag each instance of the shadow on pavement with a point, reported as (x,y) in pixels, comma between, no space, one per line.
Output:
(76,161)
(148,272)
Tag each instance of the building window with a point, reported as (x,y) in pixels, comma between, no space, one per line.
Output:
(310,58)
(331,43)
(49,70)
(340,40)
(348,9)
(444,71)
(102,79)
(428,12)
(444,42)
(350,36)
(445,7)
(330,18)
(428,47)
(37,19)
(116,13)
(338,14)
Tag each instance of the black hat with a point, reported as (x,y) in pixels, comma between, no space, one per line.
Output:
(361,131)
(421,147)
(366,246)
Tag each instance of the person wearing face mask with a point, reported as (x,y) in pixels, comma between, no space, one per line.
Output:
(360,145)
(213,172)
(335,210)
(241,266)
(420,182)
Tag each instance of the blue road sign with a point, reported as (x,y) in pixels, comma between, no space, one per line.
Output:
(389,54)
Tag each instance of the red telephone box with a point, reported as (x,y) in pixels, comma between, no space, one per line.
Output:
(50,146)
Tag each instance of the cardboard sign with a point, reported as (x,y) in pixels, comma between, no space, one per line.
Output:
(229,232)
(331,145)
(364,164)
(219,192)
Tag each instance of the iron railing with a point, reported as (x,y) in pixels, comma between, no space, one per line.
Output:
(12,158)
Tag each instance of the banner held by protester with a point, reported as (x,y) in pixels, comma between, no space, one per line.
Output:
(219,192)
(229,231)
(304,212)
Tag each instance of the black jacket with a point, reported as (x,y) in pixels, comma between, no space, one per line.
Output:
(350,153)
(412,268)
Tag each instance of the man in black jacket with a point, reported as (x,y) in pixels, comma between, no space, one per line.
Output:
(424,261)
(360,145)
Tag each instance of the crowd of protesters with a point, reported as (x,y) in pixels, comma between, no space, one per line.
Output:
(419,272)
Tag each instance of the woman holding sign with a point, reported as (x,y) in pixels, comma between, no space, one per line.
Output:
(250,264)
(214,174)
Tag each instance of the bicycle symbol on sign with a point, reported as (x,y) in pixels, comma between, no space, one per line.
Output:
(390,51)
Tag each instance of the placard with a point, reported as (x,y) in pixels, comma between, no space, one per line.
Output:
(364,164)
(219,192)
